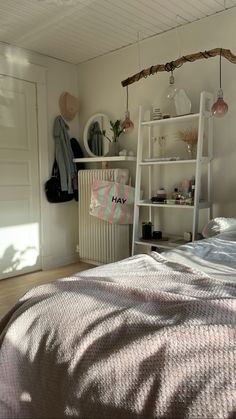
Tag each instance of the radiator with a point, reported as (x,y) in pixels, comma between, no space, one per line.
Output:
(100,241)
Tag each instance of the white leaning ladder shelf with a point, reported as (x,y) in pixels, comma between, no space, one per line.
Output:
(205,129)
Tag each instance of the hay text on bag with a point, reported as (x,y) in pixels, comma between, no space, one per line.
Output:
(118,200)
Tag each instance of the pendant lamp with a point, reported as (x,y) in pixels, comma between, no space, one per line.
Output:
(169,96)
(219,108)
(127,124)
(172,89)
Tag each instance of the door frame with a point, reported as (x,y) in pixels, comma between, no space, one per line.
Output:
(37,75)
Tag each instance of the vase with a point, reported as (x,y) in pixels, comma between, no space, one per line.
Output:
(191,151)
(114,148)
(162,146)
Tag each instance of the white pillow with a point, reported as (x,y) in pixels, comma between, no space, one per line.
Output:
(219,225)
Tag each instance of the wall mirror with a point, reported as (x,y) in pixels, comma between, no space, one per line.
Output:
(94,142)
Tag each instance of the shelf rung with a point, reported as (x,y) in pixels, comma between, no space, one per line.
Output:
(202,205)
(151,204)
(174,119)
(167,244)
(162,162)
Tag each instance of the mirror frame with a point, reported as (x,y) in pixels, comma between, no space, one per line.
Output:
(85,134)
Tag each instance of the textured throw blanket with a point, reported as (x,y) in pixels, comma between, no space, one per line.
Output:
(141,338)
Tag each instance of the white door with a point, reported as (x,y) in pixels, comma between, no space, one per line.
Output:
(19,179)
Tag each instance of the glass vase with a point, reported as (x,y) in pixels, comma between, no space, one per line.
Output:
(162,146)
(191,151)
(114,149)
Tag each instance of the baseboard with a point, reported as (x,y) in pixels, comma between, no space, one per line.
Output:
(50,262)
(91,262)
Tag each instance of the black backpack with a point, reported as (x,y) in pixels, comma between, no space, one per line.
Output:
(52,187)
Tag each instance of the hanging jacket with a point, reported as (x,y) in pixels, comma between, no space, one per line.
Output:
(64,154)
(77,153)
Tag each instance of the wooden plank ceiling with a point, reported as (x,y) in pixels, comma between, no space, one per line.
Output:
(79,30)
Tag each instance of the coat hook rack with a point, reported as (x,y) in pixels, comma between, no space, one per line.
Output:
(226,53)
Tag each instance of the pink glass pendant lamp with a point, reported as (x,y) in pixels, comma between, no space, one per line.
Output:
(127,124)
(219,108)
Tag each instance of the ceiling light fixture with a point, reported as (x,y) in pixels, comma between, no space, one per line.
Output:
(127,124)
(219,108)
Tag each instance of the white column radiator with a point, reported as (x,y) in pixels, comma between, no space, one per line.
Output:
(100,241)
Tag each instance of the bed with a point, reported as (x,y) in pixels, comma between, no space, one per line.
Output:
(152,336)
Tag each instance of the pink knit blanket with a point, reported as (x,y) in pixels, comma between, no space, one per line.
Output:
(139,339)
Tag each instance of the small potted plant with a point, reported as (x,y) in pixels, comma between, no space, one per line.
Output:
(146,230)
(116,128)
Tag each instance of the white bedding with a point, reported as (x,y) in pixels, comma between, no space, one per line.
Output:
(142,338)
(215,256)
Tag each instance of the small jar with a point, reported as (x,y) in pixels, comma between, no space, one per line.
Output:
(161,195)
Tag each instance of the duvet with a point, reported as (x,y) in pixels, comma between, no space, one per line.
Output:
(142,338)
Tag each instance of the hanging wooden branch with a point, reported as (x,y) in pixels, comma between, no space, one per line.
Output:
(226,53)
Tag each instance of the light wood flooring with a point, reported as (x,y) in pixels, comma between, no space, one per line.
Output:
(12,289)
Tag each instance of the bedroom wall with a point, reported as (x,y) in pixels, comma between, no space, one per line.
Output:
(59,221)
(62,233)
(99,84)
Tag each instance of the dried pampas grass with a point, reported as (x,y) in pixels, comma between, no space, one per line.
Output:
(188,135)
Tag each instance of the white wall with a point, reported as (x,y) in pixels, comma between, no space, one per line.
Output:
(100,89)
(62,234)
(59,221)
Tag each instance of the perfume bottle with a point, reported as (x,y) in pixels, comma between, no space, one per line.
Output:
(192,189)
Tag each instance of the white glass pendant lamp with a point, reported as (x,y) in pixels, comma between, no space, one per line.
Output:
(170,95)
(172,89)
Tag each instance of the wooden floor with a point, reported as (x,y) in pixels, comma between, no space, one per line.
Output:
(13,288)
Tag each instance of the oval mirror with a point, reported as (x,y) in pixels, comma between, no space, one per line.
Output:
(95,143)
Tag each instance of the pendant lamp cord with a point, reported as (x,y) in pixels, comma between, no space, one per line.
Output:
(127,99)
(220,67)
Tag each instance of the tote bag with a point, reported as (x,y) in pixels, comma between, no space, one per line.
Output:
(112,202)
